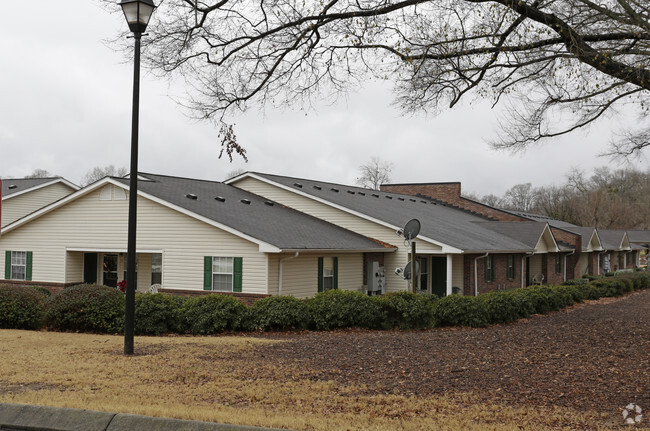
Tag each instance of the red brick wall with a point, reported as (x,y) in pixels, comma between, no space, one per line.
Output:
(449,193)
(52,287)
(501,281)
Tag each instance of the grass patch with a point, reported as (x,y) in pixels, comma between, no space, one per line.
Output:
(206,378)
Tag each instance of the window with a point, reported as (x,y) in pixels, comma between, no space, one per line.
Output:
(558,263)
(327,273)
(18,265)
(222,274)
(489,268)
(156,269)
(511,272)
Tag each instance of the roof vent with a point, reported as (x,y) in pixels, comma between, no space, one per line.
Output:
(335,190)
(269,203)
(298,185)
(317,187)
(351,192)
(375,195)
(12,186)
(362,193)
(424,202)
(401,199)
(389,197)
(220,199)
(412,200)
(191,196)
(245,201)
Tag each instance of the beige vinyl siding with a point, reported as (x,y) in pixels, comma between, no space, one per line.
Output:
(74,267)
(457,276)
(300,275)
(92,224)
(19,206)
(348,221)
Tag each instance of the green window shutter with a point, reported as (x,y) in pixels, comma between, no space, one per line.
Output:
(335,282)
(8,265)
(237,274)
(207,273)
(28,269)
(487,269)
(320,274)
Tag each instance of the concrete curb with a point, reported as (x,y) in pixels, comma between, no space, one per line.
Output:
(22,417)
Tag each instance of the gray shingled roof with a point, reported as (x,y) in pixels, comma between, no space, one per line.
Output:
(639,236)
(266,221)
(11,186)
(528,233)
(450,226)
(611,239)
(542,218)
(585,232)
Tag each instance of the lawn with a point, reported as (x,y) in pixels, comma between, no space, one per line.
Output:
(285,381)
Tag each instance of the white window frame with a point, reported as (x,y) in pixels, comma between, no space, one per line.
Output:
(16,262)
(218,270)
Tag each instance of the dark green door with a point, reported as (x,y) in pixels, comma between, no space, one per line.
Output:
(439,275)
(90,268)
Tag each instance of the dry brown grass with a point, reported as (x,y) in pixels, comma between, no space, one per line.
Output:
(202,378)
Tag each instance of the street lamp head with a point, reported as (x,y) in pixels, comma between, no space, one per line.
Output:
(137,13)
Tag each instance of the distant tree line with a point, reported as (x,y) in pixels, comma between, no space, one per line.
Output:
(608,199)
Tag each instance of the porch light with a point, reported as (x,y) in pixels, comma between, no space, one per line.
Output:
(137,13)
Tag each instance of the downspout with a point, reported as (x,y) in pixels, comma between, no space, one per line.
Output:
(476,272)
(280,271)
(523,267)
(565,256)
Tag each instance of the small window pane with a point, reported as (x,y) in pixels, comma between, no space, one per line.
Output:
(18,265)
(222,282)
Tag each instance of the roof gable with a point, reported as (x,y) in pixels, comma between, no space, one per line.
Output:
(12,187)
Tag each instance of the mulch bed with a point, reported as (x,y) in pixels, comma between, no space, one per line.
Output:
(593,356)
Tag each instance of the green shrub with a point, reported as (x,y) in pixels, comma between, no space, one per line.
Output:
(456,310)
(575,282)
(211,314)
(609,287)
(406,310)
(157,313)
(343,309)
(503,307)
(21,307)
(280,312)
(86,308)
(44,290)
(589,291)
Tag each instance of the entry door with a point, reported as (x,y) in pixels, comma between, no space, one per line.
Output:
(90,268)
(439,275)
(110,270)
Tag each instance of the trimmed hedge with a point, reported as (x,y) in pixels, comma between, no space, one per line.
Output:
(211,314)
(156,313)
(344,309)
(100,309)
(21,307)
(280,313)
(86,308)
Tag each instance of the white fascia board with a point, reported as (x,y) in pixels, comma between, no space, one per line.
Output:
(445,248)
(40,186)
(111,250)
(51,207)
(547,230)
(336,250)
(526,251)
(264,247)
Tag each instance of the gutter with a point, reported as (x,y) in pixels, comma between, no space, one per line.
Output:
(476,272)
(280,271)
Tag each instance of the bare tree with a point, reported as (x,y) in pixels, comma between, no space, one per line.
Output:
(374,173)
(98,172)
(40,173)
(560,64)
(520,197)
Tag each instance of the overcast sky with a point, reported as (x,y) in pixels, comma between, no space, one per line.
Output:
(66,107)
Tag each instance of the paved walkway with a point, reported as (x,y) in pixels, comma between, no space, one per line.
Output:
(19,417)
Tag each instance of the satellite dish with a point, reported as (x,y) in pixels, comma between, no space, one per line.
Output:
(408,270)
(412,229)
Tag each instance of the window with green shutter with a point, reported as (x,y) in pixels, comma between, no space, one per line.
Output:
(558,263)
(222,274)
(489,268)
(18,265)
(511,272)
(328,273)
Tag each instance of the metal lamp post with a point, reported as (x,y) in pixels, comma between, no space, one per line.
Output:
(137,13)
